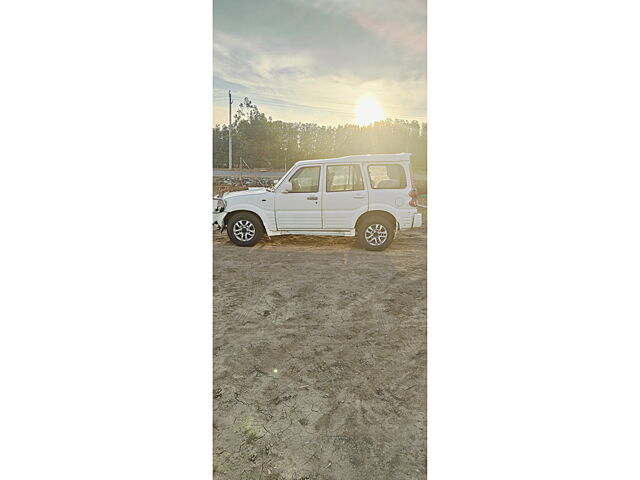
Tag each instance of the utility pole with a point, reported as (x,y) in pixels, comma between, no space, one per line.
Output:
(230,155)
(285,158)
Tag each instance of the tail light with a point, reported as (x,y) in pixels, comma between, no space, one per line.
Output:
(413,193)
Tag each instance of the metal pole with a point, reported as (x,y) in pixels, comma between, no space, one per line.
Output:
(230,154)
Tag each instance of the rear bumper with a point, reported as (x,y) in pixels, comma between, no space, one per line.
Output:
(417,220)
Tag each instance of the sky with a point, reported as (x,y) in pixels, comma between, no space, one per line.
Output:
(328,62)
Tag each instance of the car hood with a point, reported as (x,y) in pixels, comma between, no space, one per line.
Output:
(251,191)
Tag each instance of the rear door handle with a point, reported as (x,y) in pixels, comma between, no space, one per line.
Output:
(312,198)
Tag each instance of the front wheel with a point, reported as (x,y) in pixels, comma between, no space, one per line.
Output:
(376,233)
(244,229)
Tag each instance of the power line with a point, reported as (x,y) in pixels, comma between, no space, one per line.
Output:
(325,109)
(347,102)
(285,105)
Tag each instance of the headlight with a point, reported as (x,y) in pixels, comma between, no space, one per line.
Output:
(218,204)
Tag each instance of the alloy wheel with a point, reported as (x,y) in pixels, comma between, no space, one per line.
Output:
(244,230)
(375,234)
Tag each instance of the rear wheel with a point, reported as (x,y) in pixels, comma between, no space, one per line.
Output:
(244,229)
(376,233)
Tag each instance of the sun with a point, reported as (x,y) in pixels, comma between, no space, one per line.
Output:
(368,111)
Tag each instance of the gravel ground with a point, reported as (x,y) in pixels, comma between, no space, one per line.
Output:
(320,359)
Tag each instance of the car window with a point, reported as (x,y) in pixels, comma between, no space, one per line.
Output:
(306,180)
(387,176)
(344,178)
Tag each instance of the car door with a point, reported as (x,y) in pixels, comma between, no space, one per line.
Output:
(300,208)
(345,196)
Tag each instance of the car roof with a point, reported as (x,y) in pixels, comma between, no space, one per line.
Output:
(372,157)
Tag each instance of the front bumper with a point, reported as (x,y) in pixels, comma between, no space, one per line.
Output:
(417,220)
(218,219)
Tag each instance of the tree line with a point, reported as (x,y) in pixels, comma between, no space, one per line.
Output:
(261,142)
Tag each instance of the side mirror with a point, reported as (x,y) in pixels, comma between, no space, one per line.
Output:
(286,187)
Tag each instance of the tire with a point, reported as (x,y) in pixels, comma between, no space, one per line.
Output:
(244,229)
(376,233)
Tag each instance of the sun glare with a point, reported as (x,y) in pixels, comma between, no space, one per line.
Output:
(368,111)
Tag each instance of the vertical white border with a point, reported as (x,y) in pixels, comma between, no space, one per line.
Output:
(533,240)
(105,251)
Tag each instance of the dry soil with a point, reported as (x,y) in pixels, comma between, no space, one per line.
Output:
(320,359)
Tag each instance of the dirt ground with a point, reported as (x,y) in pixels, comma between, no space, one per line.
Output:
(320,359)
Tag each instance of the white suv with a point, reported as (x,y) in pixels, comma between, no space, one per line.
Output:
(369,196)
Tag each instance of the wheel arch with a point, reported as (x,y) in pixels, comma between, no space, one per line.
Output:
(372,213)
(230,214)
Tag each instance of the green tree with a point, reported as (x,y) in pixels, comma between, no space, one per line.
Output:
(264,143)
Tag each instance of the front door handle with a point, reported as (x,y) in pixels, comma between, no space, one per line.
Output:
(312,198)
(359,196)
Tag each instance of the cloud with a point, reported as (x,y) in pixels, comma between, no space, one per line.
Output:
(312,60)
(402,22)
(395,30)
(405,8)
